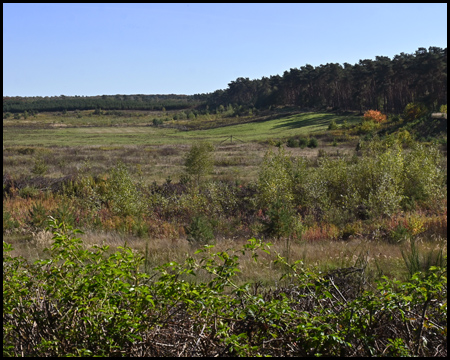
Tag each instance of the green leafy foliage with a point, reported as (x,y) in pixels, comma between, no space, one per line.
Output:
(302,142)
(86,302)
(199,160)
(383,181)
(121,192)
(414,111)
(333,125)
(423,176)
(200,231)
(40,166)
(313,143)
(292,143)
(275,180)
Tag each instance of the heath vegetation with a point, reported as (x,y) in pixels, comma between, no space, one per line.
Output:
(261,220)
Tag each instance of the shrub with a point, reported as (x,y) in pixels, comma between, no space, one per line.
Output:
(313,143)
(368,127)
(395,118)
(322,153)
(29,192)
(398,234)
(199,160)
(90,302)
(302,142)
(292,143)
(9,222)
(200,231)
(38,214)
(404,137)
(333,125)
(424,176)
(121,193)
(375,116)
(275,179)
(414,111)
(221,198)
(378,180)
(40,167)
(65,214)
(280,220)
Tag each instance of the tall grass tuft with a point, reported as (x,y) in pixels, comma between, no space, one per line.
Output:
(421,262)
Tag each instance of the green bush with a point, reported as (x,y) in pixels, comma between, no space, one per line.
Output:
(424,176)
(9,223)
(292,143)
(90,302)
(414,111)
(221,198)
(200,231)
(40,167)
(280,220)
(375,182)
(38,214)
(65,214)
(29,192)
(275,179)
(368,127)
(199,161)
(302,142)
(121,193)
(313,143)
(378,180)
(333,125)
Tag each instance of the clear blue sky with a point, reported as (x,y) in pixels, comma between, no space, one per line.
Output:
(96,49)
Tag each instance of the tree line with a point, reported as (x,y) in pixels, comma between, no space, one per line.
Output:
(105,102)
(383,84)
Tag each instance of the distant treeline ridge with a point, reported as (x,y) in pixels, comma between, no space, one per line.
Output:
(384,84)
(105,102)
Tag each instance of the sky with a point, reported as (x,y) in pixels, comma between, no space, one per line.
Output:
(107,49)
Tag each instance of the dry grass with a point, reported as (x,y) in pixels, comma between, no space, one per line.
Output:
(379,257)
(155,163)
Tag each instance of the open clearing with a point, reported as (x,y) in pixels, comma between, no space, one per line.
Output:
(294,125)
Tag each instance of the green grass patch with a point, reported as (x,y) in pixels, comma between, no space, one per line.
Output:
(298,124)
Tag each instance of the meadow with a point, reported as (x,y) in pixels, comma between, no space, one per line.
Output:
(340,212)
(58,130)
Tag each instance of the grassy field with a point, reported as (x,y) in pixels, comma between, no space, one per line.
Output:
(66,144)
(41,132)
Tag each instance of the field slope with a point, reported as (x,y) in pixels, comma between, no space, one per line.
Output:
(292,125)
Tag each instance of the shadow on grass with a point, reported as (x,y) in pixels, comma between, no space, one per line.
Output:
(319,120)
(295,122)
